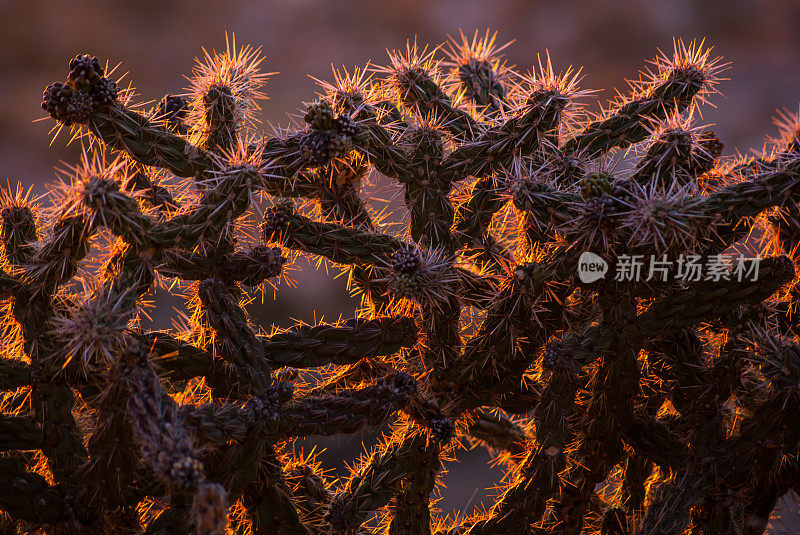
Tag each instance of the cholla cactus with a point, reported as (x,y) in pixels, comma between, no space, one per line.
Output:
(620,405)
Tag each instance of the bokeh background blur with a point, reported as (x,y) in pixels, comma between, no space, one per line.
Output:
(157,42)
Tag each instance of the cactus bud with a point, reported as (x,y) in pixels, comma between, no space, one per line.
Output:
(319,115)
(173,109)
(257,265)
(405,261)
(276,219)
(314,148)
(595,185)
(85,71)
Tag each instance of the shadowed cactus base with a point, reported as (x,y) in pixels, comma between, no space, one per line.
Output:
(646,402)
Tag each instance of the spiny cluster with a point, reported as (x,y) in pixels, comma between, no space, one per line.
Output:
(329,137)
(639,402)
(86,90)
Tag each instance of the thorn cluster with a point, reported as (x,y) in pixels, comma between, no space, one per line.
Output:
(644,398)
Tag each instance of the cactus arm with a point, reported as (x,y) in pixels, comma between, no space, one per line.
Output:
(303,346)
(628,123)
(236,342)
(28,496)
(704,301)
(151,192)
(113,451)
(521,134)
(495,342)
(343,245)
(344,411)
(608,411)
(303,185)
(19,433)
(115,210)
(366,370)
(499,432)
(472,219)
(411,512)
(372,486)
(667,315)
(544,209)
(167,446)
(221,124)
(210,217)
(13,374)
(521,400)
(215,424)
(652,439)
(496,358)
(347,411)
(149,143)
(308,346)
(387,158)
(57,260)
(248,267)
(51,400)
(523,502)
(168,449)
(426,97)
(749,198)
(18,231)
(481,76)
(269,502)
(678,156)
(431,213)
(351,245)
(52,403)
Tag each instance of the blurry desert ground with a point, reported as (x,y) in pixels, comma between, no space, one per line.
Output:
(157,42)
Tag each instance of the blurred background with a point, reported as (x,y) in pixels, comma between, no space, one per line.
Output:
(158,41)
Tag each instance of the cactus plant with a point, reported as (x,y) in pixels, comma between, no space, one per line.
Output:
(651,404)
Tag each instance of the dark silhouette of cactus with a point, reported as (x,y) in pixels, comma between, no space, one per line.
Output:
(621,405)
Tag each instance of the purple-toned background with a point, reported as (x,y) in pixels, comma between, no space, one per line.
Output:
(157,43)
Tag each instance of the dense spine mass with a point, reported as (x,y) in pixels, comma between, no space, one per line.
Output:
(641,402)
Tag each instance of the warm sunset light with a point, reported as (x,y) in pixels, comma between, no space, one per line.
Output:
(581,300)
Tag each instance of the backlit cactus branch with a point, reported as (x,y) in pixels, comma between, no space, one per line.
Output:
(621,400)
